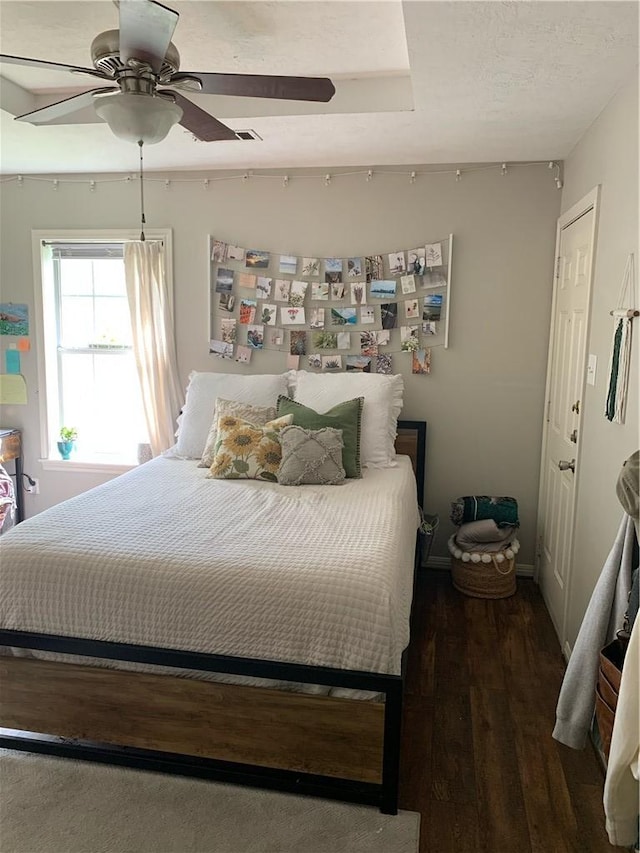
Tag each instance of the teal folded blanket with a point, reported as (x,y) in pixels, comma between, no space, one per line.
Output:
(504,511)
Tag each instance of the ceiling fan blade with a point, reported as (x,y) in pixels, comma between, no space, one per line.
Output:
(53,66)
(201,124)
(62,108)
(146,28)
(263,86)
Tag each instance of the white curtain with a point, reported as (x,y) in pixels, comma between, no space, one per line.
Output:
(153,340)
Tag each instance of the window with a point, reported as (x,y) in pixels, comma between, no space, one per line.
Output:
(91,376)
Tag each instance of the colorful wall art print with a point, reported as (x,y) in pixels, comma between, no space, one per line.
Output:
(361,363)
(315,361)
(411,309)
(416,261)
(310,267)
(247,311)
(288,264)
(325,340)
(319,291)
(383,364)
(389,315)
(383,338)
(255,337)
(243,355)
(382,289)
(219,251)
(227,302)
(358,293)
(298,342)
(354,267)
(235,253)
(432,307)
(332,362)
(221,349)
(434,254)
(367,314)
(373,267)
(333,265)
(421,361)
(256,259)
(228,331)
(282,290)
(292,315)
(14,319)
(297,292)
(344,340)
(408,284)
(342,316)
(397,264)
(224,280)
(316,318)
(247,281)
(275,338)
(263,287)
(333,278)
(337,289)
(268,314)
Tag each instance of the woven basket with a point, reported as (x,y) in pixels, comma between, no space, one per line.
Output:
(484,580)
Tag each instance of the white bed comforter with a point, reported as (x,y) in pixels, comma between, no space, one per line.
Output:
(163,556)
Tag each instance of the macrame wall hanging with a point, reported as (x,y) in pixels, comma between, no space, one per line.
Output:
(620,359)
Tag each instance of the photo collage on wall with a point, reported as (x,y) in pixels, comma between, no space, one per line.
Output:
(356,313)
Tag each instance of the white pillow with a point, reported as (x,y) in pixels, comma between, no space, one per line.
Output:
(202,392)
(382,405)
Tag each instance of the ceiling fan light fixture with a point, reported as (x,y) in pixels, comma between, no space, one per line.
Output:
(137,117)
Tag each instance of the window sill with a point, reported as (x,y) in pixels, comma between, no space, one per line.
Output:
(86,466)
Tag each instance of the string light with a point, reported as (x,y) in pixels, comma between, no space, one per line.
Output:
(285,178)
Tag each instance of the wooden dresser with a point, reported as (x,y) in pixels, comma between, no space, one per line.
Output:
(11,451)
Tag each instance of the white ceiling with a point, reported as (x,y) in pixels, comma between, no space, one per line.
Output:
(417,81)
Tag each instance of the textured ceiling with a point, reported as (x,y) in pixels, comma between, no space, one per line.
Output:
(417,82)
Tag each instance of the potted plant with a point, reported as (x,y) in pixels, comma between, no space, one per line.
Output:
(67,441)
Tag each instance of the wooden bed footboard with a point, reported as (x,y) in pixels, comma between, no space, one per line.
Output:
(324,746)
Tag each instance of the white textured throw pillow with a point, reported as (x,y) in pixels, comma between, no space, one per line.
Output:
(202,392)
(382,406)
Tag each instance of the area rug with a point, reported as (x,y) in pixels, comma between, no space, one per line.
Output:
(58,805)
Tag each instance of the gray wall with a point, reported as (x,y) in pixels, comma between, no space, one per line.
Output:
(606,155)
(484,398)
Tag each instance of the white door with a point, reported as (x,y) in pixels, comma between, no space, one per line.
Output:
(564,405)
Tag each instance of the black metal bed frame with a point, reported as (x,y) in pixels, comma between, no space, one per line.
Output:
(384,795)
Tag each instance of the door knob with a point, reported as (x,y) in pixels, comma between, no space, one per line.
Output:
(563,465)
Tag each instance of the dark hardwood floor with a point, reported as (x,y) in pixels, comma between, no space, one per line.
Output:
(478,759)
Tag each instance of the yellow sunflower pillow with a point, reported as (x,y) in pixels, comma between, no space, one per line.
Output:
(246,451)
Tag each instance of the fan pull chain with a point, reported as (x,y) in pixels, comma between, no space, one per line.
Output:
(142,218)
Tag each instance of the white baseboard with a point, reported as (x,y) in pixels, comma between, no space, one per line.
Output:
(523,570)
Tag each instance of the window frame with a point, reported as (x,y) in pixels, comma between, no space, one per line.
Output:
(47,369)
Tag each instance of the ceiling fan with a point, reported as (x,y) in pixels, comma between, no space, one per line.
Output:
(144,65)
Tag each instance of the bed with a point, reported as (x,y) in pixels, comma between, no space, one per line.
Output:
(243,640)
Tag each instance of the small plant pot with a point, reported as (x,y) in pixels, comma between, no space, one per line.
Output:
(65,448)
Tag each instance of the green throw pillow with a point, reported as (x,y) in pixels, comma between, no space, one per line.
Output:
(346,416)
